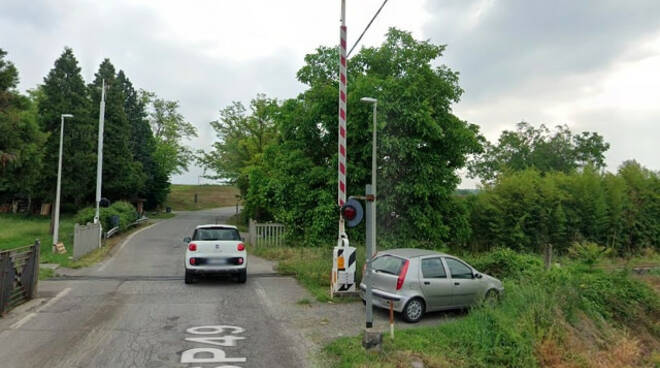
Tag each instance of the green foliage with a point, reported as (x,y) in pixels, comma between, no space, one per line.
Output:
(529,147)
(535,309)
(243,139)
(169,128)
(126,212)
(143,145)
(21,139)
(64,92)
(587,252)
(421,144)
(527,209)
(122,176)
(504,263)
(309,265)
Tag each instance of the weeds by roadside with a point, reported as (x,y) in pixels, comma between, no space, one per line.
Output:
(565,317)
(310,266)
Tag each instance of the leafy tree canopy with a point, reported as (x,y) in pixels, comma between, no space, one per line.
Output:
(170,129)
(421,144)
(528,147)
(243,138)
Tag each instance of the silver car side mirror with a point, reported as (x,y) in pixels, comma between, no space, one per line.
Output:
(478,275)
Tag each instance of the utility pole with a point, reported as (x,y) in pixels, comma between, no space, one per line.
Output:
(99,160)
(56,230)
(371,216)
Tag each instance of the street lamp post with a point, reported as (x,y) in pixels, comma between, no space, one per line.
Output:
(56,231)
(371,218)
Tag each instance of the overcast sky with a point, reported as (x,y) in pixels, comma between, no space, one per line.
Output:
(594,65)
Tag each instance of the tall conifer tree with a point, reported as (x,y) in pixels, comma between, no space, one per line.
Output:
(64,92)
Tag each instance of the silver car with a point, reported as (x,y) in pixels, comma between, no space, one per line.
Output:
(419,281)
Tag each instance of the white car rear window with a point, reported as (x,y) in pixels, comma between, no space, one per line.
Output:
(216,233)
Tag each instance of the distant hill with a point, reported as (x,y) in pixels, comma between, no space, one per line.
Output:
(182,197)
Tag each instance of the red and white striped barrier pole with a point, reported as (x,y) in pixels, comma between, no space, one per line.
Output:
(341,193)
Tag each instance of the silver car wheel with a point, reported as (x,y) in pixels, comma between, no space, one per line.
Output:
(414,310)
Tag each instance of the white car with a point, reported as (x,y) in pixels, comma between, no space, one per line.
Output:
(215,249)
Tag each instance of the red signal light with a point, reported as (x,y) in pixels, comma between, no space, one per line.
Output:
(349,213)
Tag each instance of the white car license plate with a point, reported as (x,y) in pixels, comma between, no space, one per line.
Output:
(217,261)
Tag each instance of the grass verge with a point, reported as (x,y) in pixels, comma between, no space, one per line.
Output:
(182,197)
(565,317)
(19,230)
(99,254)
(310,266)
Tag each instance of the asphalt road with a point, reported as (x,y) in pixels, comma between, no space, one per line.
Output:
(133,310)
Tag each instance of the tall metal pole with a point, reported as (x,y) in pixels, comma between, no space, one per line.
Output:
(341,190)
(99,160)
(370,240)
(373,182)
(56,230)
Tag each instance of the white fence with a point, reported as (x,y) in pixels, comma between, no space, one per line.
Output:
(265,235)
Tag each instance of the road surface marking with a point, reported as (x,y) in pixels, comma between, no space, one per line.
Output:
(25,319)
(123,244)
(201,355)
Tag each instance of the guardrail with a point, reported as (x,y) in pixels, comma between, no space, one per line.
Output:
(115,229)
(19,275)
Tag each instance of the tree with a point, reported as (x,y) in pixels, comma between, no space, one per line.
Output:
(421,145)
(242,139)
(143,144)
(21,140)
(64,92)
(170,128)
(122,176)
(538,148)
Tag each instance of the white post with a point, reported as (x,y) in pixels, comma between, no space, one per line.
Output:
(56,231)
(99,160)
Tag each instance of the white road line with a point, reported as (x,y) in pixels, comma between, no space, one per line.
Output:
(123,244)
(22,321)
(25,319)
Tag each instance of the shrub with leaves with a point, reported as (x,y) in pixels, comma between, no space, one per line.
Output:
(587,252)
(126,212)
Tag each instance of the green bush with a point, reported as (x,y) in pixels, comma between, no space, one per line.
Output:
(587,252)
(532,310)
(506,263)
(126,212)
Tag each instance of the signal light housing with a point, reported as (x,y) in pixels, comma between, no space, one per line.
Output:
(352,212)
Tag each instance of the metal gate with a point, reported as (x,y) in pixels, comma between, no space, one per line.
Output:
(19,274)
(266,235)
